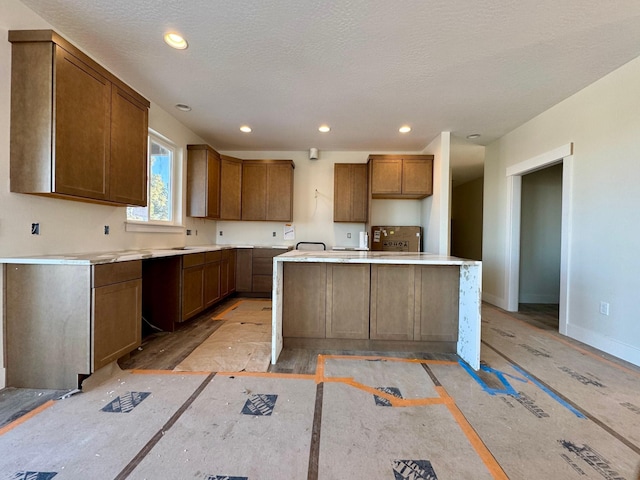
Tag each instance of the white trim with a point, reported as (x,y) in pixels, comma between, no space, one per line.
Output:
(3,378)
(609,345)
(562,154)
(152,228)
(540,161)
(512,250)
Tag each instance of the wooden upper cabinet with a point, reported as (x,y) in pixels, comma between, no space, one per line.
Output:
(267,190)
(230,188)
(77,131)
(203,182)
(350,192)
(401,176)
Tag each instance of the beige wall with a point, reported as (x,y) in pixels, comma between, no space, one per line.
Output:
(603,122)
(466,220)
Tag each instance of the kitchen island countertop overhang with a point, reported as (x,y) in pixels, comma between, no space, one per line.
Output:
(469,295)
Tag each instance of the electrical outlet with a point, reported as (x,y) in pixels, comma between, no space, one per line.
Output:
(106,229)
(604,308)
(35,229)
(349,235)
(274,234)
(188,232)
(220,232)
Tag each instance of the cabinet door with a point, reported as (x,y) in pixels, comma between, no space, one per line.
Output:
(279,192)
(224,277)
(213,184)
(254,191)
(244,269)
(392,302)
(192,291)
(303,307)
(350,199)
(212,283)
(230,188)
(347,309)
(117,323)
(437,293)
(417,177)
(128,166)
(82,129)
(386,176)
(232,270)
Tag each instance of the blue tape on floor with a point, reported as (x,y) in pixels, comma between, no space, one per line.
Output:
(126,402)
(383,402)
(260,404)
(413,470)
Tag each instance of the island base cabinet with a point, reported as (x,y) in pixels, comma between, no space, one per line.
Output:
(347,303)
(437,290)
(303,310)
(392,302)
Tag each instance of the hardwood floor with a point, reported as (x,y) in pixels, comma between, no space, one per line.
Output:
(542,315)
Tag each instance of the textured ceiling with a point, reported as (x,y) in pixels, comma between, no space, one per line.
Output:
(365,67)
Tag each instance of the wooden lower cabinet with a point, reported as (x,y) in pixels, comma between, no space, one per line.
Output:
(347,301)
(212,270)
(304,304)
(415,302)
(228,273)
(382,304)
(325,301)
(192,285)
(392,302)
(66,321)
(437,290)
(254,269)
(244,269)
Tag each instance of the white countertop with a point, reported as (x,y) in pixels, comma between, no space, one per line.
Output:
(123,255)
(372,257)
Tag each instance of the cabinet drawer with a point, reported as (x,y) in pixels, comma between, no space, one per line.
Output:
(262,266)
(262,283)
(267,252)
(192,260)
(210,257)
(109,273)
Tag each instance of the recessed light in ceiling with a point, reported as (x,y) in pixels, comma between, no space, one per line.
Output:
(245,129)
(176,41)
(405,129)
(473,136)
(324,128)
(183,107)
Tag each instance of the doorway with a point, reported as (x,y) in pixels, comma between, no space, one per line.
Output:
(562,155)
(540,235)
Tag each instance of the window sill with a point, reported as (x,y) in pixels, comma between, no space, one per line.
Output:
(152,228)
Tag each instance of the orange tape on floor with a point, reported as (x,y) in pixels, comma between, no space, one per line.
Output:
(26,417)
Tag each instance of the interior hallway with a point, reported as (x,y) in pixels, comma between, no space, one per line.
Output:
(542,406)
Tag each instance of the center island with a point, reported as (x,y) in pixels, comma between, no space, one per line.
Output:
(394,301)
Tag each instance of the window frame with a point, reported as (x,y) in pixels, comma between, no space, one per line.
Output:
(161,226)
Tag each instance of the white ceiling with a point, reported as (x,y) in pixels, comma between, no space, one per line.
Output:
(365,67)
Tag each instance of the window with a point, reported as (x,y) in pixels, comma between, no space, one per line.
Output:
(163,180)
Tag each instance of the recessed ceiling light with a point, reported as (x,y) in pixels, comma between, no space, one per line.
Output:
(405,129)
(245,128)
(473,136)
(324,128)
(183,107)
(176,41)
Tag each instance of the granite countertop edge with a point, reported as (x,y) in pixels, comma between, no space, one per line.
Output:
(98,258)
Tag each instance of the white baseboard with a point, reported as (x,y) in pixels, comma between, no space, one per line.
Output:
(494,300)
(536,298)
(3,377)
(609,345)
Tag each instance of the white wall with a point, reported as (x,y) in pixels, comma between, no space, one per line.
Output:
(603,122)
(436,209)
(70,226)
(313,205)
(540,227)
